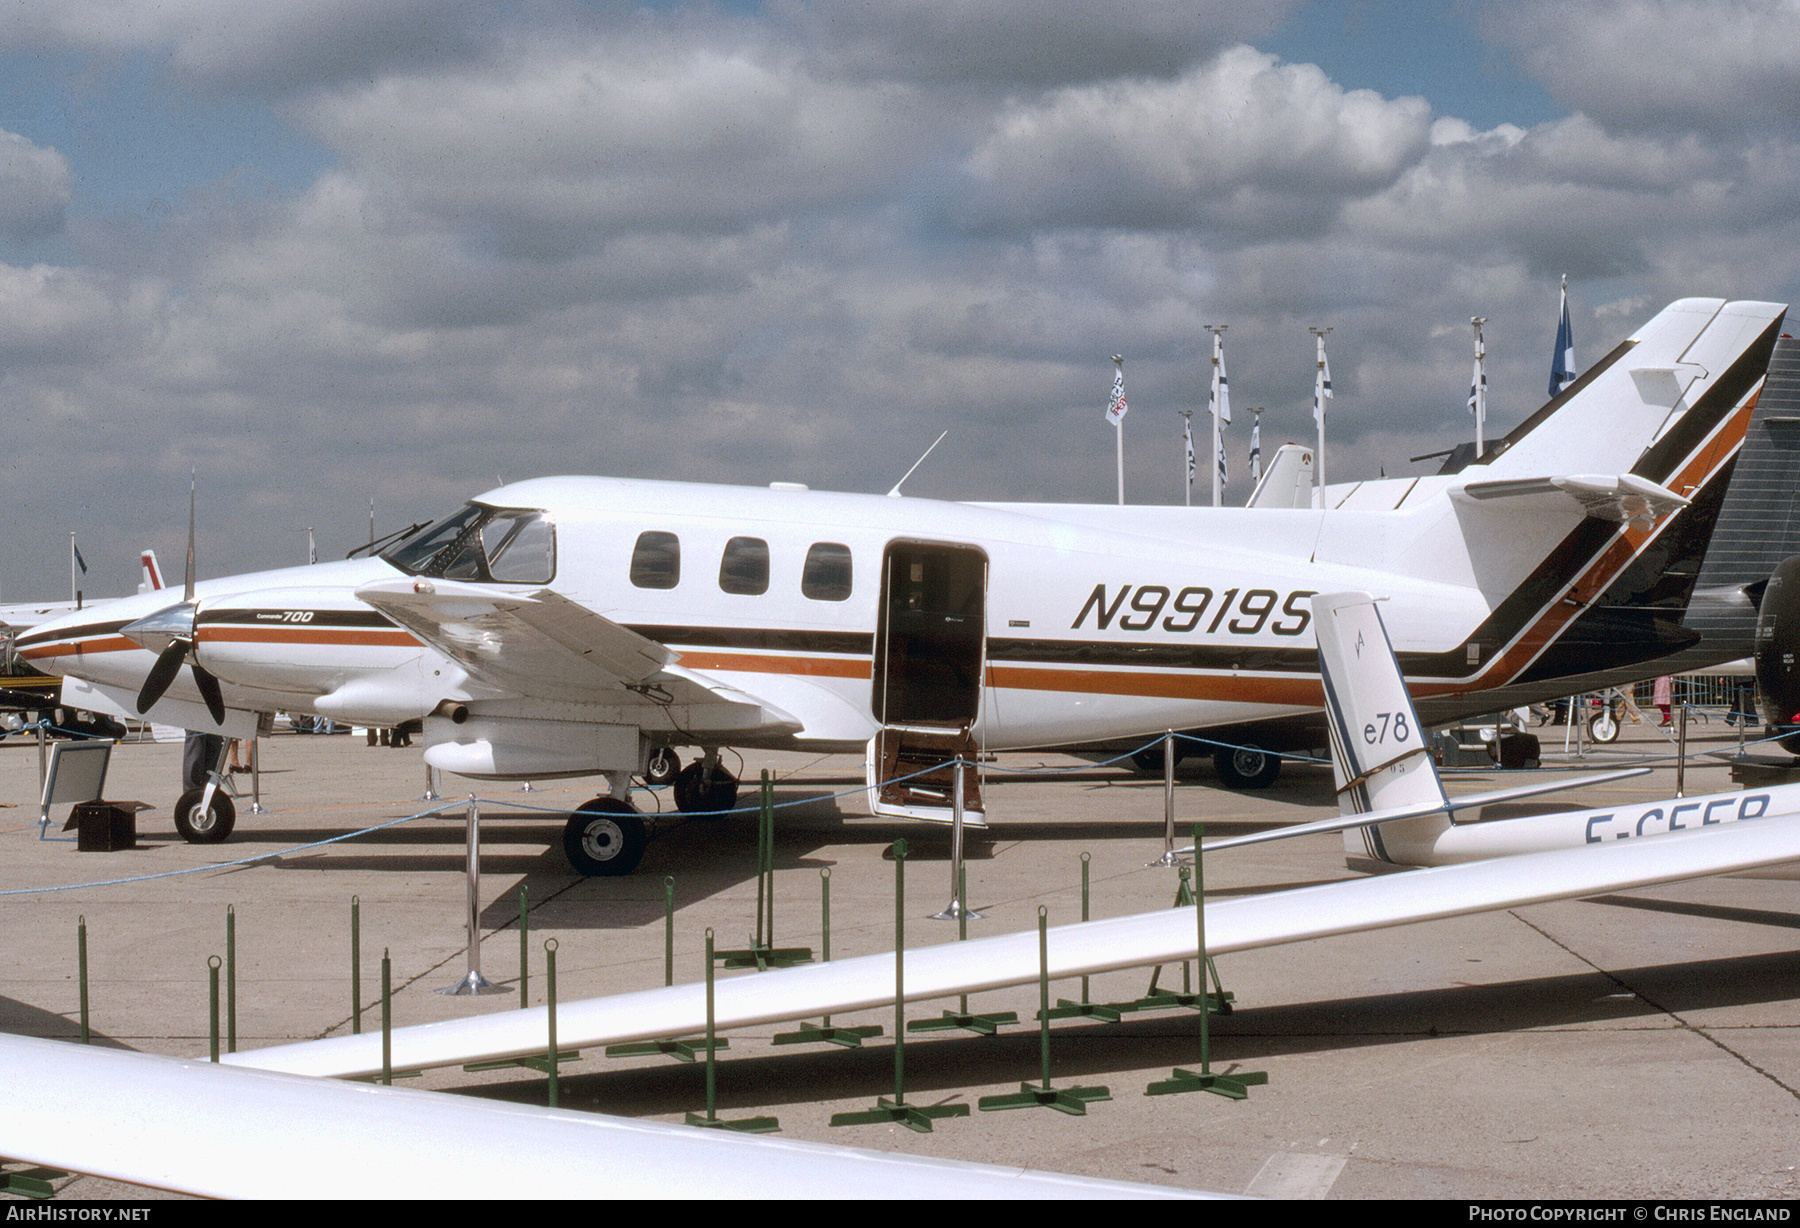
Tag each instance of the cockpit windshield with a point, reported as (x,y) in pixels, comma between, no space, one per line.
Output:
(494,544)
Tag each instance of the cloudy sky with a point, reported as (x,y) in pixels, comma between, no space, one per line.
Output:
(328,251)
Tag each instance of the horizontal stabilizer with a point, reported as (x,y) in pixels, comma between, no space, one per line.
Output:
(1468,801)
(1618,498)
(1088,948)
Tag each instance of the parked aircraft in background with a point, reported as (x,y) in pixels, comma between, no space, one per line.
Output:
(576,626)
(1394,810)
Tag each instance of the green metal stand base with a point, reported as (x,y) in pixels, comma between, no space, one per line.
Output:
(764,958)
(1217,1003)
(743,1125)
(539,1064)
(985,1025)
(809,1033)
(32,1182)
(1070,1100)
(680,1050)
(1065,1009)
(891,1112)
(1232,1086)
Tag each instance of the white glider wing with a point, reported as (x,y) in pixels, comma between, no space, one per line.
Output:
(224,1132)
(543,646)
(1092,947)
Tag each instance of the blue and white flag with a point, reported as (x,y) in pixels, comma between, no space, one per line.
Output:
(1321,386)
(1256,450)
(1562,360)
(1115,408)
(1187,440)
(1221,389)
(79,561)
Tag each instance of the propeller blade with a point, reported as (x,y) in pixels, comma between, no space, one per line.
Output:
(187,592)
(209,691)
(156,682)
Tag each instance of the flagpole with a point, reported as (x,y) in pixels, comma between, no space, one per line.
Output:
(1255,448)
(73,597)
(1321,393)
(1221,408)
(1478,388)
(1187,461)
(1117,413)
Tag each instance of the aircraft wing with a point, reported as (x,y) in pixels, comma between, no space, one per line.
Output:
(111,1113)
(544,646)
(1165,936)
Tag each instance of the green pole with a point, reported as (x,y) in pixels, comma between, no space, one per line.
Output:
(82,964)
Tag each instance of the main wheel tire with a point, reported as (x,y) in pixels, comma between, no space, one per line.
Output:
(662,767)
(1604,727)
(210,826)
(696,796)
(1247,767)
(605,838)
(1149,761)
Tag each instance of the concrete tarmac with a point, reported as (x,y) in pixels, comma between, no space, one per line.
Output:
(1642,1044)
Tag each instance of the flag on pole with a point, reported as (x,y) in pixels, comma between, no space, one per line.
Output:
(79,561)
(1321,386)
(1115,408)
(1562,360)
(1221,389)
(1187,440)
(1221,467)
(1256,449)
(1221,408)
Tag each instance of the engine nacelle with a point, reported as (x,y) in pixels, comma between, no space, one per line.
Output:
(1778,652)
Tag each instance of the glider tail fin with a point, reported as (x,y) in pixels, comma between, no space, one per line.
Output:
(1379,754)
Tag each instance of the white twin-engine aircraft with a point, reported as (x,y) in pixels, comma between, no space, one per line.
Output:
(575,626)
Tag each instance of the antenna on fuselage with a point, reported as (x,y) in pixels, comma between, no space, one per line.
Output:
(895,493)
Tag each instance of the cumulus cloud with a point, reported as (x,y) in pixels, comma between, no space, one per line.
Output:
(266,49)
(1720,66)
(1035,43)
(557,146)
(34,188)
(1243,144)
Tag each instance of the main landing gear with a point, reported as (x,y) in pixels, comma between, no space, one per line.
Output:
(1246,767)
(704,788)
(605,838)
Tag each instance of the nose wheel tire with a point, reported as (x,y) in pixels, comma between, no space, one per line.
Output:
(208,826)
(1604,727)
(605,838)
(1247,767)
(662,767)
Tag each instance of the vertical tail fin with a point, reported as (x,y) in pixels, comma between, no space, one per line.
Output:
(152,572)
(1378,747)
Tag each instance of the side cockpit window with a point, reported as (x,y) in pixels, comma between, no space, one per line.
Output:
(483,544)
(656,560)
(826,576)
(744,567)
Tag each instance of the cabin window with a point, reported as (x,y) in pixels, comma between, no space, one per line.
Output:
(744,567)
(656,561)
(826,576)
